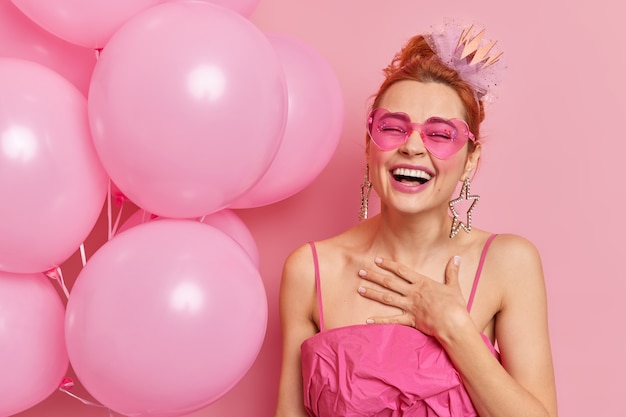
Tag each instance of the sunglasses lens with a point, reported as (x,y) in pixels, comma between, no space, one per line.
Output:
(388,130)
(443,138)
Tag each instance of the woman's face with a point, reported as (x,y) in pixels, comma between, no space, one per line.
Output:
(409,178)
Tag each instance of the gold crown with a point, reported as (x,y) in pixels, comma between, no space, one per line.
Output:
(471,47)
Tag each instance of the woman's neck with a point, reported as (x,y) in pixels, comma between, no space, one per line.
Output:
(410,238)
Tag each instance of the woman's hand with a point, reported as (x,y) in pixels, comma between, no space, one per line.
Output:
(427,305)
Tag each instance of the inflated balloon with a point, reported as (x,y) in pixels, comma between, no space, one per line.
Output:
(314,124)
(88,23)
(184,121)
(21,38)
(225,220)
(33,356)
(51,181)
(165,318)
(244,7)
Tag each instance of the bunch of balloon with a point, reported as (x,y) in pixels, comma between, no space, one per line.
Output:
(190,110)
(183,123)
(52,186)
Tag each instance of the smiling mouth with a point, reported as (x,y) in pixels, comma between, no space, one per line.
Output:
(410,176)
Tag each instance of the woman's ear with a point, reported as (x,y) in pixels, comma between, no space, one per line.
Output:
(472,161)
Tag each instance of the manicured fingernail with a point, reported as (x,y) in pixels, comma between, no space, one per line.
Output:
(378,260)
(457,260)
(361,290)
(369,321)
(362,272)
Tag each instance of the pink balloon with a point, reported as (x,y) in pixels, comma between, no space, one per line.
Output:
(21,38)
(33,356)
(89,23)
(314,124)
(165,318)
(244,7)
(51,181)
(184,121)
(225,220)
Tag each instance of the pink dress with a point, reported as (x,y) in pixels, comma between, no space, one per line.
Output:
(382,370)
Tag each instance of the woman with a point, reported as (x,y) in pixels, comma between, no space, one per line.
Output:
(388,318)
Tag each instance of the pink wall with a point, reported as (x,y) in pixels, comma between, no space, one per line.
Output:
(555,143)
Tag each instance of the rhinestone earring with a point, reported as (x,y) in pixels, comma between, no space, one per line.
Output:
(366,187)
(464,195)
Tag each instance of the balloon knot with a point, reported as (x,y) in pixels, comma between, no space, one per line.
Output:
(67,383)
(53,273)
(119,198)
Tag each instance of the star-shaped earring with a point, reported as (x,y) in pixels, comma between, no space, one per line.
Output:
(464,195)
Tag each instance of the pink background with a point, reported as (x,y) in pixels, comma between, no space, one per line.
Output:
(555,140)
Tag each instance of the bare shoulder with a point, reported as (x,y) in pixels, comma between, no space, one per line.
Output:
(298,266)
(514,252)
(516,263)
(302,254)
(297,295)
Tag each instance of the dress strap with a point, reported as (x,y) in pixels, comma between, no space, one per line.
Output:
(318,286)
(478,271)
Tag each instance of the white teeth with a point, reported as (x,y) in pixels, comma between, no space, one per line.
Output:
(415,173)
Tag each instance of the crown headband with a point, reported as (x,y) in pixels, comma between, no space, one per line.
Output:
(474,58)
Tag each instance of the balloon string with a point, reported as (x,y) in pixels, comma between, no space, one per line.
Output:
(56,274)
(146,217)
(117,221)
(82,400)
(109,211)
(67,384)
(83,258)
(119,200)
